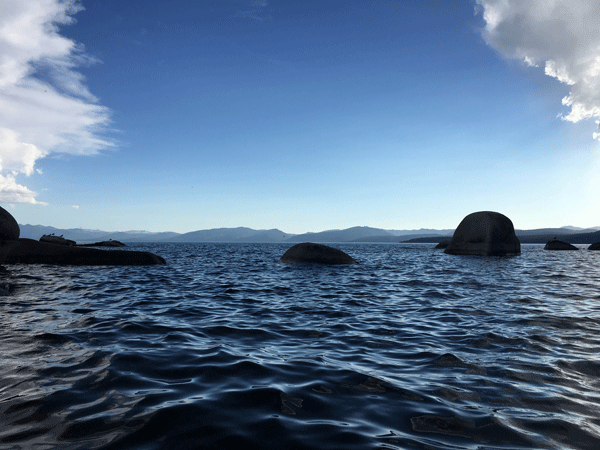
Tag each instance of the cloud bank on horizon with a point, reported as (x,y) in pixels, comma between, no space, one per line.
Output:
(45,106)
(563,36)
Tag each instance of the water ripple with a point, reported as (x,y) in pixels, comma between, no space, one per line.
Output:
(224,347)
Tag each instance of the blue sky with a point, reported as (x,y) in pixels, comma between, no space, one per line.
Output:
(303,116)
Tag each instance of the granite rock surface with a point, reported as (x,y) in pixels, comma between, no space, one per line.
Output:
(485,233)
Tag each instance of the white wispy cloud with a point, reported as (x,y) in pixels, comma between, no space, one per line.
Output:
(75,206)
(255,12)
(45,106)
(12,192)
(563,36)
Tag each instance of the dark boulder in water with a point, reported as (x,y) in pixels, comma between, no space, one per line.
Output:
(29,251)
(443,244)
(57,250)
(594,246)
(555,244)
(485,233)
(57,240)
(316,253)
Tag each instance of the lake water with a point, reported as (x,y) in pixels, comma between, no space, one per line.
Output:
(226,348)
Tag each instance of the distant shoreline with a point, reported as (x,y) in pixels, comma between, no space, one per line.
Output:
(353,234)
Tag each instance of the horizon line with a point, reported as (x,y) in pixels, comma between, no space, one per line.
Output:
(597,228)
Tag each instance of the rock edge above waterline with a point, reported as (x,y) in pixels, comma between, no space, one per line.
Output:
(109,243)
(555,244)
(307,252)
(57,240)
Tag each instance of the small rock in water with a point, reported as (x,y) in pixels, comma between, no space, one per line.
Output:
(555,244)
(448,359)
(594,246)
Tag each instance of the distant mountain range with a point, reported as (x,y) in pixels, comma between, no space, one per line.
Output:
(240,234)
(570,234)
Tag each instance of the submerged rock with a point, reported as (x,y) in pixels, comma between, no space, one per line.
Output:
(485,233)
(555,244)
(594,246)
(443,244)
(316,253)
(29,251)
(5,289)
(57,240)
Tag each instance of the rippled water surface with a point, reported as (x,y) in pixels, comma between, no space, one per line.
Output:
(226,348)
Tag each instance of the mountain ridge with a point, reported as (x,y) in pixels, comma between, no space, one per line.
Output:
(274,235)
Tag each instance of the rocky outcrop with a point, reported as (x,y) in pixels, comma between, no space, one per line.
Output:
(109,243)
(29,251)
(485,233)
(443,244)
(594,246)
(9,233)
(315,253)
(57,250)
(58,240)
(555,244)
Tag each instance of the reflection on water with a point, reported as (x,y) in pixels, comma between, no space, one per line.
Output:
(224,347)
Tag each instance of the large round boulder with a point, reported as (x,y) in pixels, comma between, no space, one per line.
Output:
(594,246)
(555,244)
(9,233)
(485,233)
(315,253)
(9,228)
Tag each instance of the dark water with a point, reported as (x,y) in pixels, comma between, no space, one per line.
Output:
(225,348)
